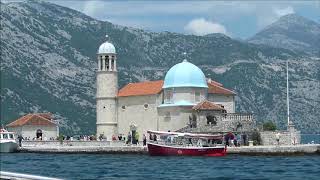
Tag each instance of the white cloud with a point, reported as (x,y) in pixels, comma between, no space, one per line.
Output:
(284,11)
(202,27)
(272,14)
(93,8)
(173,15)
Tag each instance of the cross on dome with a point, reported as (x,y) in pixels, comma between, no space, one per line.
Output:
(185,57)
(107,47)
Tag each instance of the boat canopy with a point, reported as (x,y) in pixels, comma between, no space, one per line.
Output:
(4,131)
(187,135)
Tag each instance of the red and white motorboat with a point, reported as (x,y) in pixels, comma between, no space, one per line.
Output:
(185,144)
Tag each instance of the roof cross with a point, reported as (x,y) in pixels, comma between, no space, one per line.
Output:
(185,56)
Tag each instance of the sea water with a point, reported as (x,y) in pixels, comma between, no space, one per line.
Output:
(105,166)
(310,138)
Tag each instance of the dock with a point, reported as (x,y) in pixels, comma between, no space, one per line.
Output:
(86,149)
(119,148)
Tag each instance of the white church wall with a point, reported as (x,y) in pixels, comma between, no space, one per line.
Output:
(226,100)
(135,113)
(173,118)
(30,131)
(188,94)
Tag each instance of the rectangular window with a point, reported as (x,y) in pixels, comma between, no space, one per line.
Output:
(168,94)
(197,96)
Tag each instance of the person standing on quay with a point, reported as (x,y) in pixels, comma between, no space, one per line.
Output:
(278,138)
(136,137)
(20,138)
(129,138)
(144,140)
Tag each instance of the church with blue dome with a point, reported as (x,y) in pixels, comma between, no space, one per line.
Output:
(186,101)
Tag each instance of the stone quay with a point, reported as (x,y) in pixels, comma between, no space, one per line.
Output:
(109,147)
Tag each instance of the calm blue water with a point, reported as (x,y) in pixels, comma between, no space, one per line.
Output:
(308,138)
(102,166)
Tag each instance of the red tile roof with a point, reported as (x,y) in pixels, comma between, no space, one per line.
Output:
(216,88)
(214,82)
(155,87)
(141,88)
(207,105)
(41,119)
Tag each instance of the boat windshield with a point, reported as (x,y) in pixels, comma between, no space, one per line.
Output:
(7,136)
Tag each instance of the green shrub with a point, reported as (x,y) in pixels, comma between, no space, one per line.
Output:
(269,126)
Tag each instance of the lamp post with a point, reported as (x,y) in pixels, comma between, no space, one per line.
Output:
(288,109)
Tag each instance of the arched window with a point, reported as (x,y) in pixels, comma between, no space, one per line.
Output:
(112,65)
(123,107)
(107,62)
(39,134)
(211,120)
(101,63)
(146,106)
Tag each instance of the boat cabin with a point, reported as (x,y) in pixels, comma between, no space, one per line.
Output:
(185,139)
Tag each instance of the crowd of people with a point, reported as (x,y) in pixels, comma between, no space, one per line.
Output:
(235,140)
(133,138)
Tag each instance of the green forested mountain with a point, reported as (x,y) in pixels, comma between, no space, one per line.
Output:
(48,63)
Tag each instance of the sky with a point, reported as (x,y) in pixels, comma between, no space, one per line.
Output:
(237,19)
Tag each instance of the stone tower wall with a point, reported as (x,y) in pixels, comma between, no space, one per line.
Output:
(106,96)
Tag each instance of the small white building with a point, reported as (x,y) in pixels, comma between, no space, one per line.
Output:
(35,126)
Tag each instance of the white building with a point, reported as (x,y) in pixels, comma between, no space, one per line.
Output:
(35,126)
(172,104)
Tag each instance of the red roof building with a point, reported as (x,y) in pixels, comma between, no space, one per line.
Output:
(217,88)
(141,88)
(41,119)
(207,105)
(155,87)
(38,126)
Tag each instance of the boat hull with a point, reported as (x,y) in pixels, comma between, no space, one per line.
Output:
(163,150)
(7,147)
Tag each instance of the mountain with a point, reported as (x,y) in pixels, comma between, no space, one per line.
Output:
(48,64)
(292,32)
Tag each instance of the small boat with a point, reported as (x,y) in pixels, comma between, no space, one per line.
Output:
(13,175)
(185,144)
(7,141)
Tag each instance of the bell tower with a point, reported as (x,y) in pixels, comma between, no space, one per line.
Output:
(107,89)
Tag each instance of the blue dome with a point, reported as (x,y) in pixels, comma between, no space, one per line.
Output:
(185,74)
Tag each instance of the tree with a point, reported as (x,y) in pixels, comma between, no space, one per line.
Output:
(256,137)
(269,126)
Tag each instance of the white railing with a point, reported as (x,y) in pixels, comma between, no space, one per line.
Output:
(236,117)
